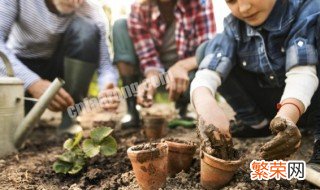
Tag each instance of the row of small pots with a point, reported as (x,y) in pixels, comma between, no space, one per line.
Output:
(151,167)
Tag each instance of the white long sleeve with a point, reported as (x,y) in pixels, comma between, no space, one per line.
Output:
(301,84)
(205,78)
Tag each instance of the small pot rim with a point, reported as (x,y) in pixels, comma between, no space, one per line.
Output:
(179,143)
(155,116)
(225,162)
(180,147)
(161,147)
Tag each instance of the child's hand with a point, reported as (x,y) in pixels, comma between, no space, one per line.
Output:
(209,134)
(286,141)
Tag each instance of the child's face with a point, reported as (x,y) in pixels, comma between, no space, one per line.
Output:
(253,12)
(67,6)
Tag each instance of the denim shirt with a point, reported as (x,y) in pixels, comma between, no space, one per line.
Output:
(287,38)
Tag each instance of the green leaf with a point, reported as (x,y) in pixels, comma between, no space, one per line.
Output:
(109,146)
(81,160)
(78,151)
(71,143)
(78,165)
(100,133)
(68,144)
(62,167)
(75,170)
(67,157)
(77,139)
(90,148)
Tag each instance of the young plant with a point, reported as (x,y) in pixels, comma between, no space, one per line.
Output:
(76,156)
(100,142)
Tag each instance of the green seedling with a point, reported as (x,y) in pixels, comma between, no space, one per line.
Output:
(100,142)
(76,157)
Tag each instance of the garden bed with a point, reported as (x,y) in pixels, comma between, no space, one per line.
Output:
(32,167)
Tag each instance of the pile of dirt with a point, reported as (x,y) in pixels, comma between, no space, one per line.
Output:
(220,146)
(191,143)
(147,146)
(225,152)
(32,167)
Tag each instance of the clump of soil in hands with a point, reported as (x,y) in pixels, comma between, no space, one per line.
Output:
(220,145)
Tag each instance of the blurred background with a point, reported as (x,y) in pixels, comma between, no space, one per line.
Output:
(116,9)
(121,8)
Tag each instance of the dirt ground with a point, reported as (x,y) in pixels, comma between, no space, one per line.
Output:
(32,167)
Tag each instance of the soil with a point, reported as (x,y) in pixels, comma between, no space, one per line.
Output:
(191,143)
(220,145)
(226,153)
(223,150)
(32,167)
(148,146)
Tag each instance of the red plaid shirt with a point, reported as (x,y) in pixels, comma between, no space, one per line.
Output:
(194,25)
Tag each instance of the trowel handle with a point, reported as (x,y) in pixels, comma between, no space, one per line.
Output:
(7,64)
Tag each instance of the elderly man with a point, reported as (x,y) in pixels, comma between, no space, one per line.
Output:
(44,39)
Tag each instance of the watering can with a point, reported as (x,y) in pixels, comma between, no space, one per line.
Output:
(14,128)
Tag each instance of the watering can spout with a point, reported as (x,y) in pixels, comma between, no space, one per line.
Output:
(34,115)
(12,89)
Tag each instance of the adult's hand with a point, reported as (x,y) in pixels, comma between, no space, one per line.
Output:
(286,142)
(147,88)
(61,101)
(72,3)
(110,97)
(76,3)
(178,81)
(146,91)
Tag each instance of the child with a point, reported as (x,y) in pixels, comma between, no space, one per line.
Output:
(266,55)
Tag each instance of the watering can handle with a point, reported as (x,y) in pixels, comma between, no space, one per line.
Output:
(7,64)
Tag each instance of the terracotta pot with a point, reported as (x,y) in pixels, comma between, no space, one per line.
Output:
(215,172)
(150,166)
(180,156)
(154,126)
